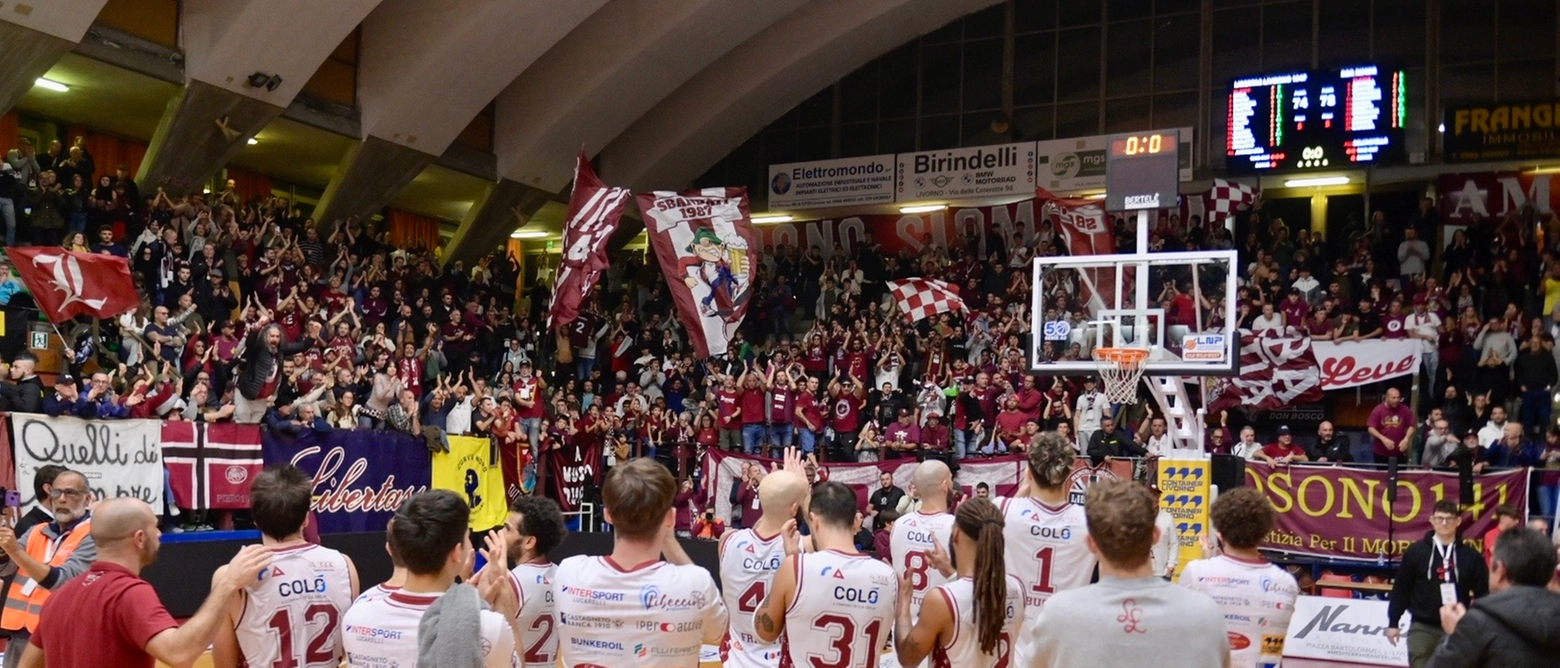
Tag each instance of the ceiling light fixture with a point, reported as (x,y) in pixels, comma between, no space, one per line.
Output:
(922,208)
(252,141)
(765,220)
(51,84)
(528,234)
(1317,181)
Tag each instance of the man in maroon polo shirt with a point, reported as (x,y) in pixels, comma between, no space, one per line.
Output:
(1391,427)
(109,616)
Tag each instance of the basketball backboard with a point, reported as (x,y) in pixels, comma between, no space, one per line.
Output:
(1178,305)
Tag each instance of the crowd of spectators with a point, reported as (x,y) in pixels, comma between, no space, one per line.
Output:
(253,312)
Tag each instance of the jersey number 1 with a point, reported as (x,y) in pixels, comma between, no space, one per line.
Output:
(1043,584)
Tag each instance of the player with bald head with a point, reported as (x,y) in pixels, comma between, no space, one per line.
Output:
(748,561)
(119,612)
(917,543)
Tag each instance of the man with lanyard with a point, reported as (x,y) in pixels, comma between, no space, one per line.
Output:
(46,556)
(1437,571)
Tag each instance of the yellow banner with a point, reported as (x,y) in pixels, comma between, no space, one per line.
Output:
(471,469)
(1185,487)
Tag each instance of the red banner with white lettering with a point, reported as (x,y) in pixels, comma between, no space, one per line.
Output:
(1343,512)
(575,469)
(1491,196)
(594,211)
(707,248)
(66,284)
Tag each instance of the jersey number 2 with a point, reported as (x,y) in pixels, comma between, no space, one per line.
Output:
(317,653)
(535,653)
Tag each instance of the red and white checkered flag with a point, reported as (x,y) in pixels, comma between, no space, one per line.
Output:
(922,297)
(1226,198)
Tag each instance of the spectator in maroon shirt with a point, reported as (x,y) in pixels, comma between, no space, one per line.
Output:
(1391,427)
(902,436)
(1295,309)
(1285,451)
(934,435)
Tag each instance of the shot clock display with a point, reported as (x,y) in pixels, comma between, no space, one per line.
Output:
(1334,119)
(1142,170)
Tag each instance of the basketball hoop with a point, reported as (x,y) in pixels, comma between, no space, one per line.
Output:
(1120,370)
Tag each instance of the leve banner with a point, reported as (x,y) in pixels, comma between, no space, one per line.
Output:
(471,469)
(706,246)
(1343,513)
(360,477)
(1184,492)
(1001,474)
(119,457)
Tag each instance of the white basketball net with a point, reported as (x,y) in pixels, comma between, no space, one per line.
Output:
(1120,370)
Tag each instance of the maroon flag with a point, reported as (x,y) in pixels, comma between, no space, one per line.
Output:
(67,283)
(594,211)
(1275,372)
(575,468)
(921,297)
(210,466)
(707,246)
(1082,225)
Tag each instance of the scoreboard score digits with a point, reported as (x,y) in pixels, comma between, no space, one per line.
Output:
(1142,170)
(1335,119)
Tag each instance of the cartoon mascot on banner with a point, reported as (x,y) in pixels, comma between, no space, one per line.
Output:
(710,262)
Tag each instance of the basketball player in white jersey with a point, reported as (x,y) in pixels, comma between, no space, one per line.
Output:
(630,608)
(534,528)
(1044,533)
(749,559)
(916,544)
(1256,597)
(834,606)
(430,535)
(291,617)
(397,575)
(972,621)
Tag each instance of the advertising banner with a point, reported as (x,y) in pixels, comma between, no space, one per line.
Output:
(1344,513)
(1494,195)
(825,183)
(472,470)
(706,246)
(119,457)
(360,477)
(1001,475)
(979,171)
(1344,630)
(1483,132)
(1075,165)
(1185,487)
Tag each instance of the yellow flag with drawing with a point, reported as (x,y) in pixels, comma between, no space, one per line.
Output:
(471,469)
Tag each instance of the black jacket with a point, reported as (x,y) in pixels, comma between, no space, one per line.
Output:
(23,396)
(1420,596)
(1515,628)
(259,362)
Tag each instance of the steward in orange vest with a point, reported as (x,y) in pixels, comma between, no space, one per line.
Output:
(55,552)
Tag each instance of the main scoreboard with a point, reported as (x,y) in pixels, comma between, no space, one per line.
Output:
(1332,119)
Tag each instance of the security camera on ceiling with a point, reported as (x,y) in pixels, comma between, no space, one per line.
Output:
(266,81)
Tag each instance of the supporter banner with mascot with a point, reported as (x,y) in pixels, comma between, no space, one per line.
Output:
(360,477)
(471,469)
(1343,513)
(594,211)
(1001,474)
(707,248)
(118,457)
(1281,371)
(210,465)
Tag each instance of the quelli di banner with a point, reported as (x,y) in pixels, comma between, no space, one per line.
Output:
(1345,513)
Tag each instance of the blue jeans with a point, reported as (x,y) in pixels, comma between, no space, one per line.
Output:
(807,440)
(1537,404)
(583,366)
(753,437)
(1546,501)
(962,439)
(8,211)
(779,439)
(533,430)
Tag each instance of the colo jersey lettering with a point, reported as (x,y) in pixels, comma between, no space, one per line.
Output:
(1257,600)
(841,613)
(538,615)
(384,633)
(964,650)
(656,614)
(747,569)
(292,616)
(908,546)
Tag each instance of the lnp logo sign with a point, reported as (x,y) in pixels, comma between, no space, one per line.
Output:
(1204,348)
